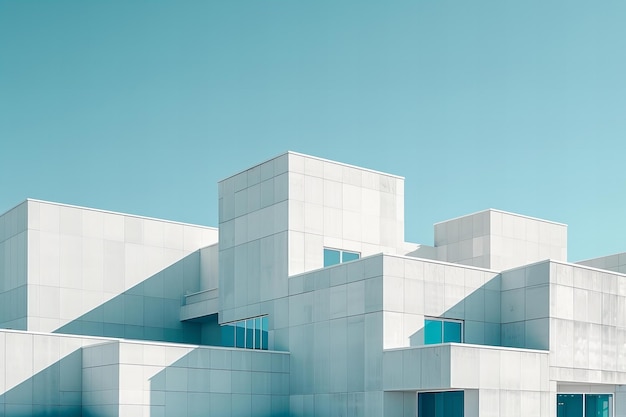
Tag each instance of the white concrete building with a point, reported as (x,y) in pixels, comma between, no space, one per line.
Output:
(306,301)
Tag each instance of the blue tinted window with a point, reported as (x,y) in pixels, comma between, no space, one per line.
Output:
(598,405)
(250,334)
(228,336)
(334,256)
(350,256)
(257,333)
(331,257)
(440,404)
(569,405)
(432,332)
(264,333)
(452,332)
(240,334)
(442,331)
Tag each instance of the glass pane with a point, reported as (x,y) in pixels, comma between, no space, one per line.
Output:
(432,332)
(569,405)
(453,403)
(250,334)
(331,257)
(264,333)
(597,405)
(452,332)
(257,333)
(350,256)
(240,335)
(426,404)
(228,335)
(440,404)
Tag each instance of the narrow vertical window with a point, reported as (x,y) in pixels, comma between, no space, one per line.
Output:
(250,334)
(228,335)
(240,335)
(264,332)
(257,333)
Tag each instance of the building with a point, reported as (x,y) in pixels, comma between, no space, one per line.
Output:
(305,301)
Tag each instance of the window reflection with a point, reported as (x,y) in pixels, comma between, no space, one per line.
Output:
(584,405)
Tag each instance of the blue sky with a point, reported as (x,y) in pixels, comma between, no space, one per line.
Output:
(142,106)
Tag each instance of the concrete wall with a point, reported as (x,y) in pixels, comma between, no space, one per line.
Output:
(499,240)
(518,240)
(615,263)
(209,270)
(343,207)
(587,325)
(525,305)
(465,240)
(40,374)
(129,379)
(508,382)
(13,268)
(277,217)
(415,288)
(253,239)
(63,375)
(98,273)
(334,333)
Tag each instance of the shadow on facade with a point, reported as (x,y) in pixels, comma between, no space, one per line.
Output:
(473,310)
(53,391)
(221,382)
(516,317)
(148,311)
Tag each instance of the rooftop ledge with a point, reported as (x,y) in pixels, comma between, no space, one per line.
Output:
(471,346)
(313,157)
(111,212)
(393,255)
(503,212)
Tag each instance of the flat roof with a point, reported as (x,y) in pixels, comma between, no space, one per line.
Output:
(109,212)
(503,212)
(319,159)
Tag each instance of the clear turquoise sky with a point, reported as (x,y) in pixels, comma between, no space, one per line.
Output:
(142,106)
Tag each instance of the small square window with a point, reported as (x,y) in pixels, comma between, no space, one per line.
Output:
(452,331)
(432,332)
(442,331)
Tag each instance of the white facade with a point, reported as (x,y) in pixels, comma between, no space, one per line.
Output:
(120,315)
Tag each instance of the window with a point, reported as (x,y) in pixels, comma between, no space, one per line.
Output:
(335,256)
(440,404)
(584,405)
(249,334)
(438,330)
